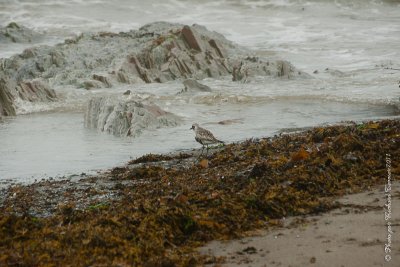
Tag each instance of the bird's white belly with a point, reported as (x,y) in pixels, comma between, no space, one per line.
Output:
(207,142)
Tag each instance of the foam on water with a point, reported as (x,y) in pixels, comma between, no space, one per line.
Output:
(297,30)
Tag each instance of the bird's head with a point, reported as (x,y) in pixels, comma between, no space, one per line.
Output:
(194,126)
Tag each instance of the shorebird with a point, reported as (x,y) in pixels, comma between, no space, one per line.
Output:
(204,137)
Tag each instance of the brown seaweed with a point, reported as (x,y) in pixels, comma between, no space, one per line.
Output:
(164,211)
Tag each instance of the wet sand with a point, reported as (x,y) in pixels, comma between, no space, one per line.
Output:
(353,235)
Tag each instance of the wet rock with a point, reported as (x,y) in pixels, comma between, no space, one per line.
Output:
(194,86)
(103,79)
(180,52)
(15,33)
(157,52)
(252,67)
(191,38)
(91,84)
(36,90)
(6,100)
(126,117)
(218,48)
(230,121)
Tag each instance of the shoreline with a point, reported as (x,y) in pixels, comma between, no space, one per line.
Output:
(98,172)
(352,235)
(159,208)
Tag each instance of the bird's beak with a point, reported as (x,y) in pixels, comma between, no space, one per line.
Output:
(191,128)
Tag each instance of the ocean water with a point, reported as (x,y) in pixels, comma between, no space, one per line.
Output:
(352,46)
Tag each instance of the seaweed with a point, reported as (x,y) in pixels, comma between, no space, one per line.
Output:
(163,212)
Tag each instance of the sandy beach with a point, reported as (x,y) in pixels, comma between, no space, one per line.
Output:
(353,235)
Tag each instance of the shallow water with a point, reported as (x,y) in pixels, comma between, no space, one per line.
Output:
(55,144)
(352,44)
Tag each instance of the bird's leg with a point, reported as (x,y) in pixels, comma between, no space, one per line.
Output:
(207,151)
(202,149)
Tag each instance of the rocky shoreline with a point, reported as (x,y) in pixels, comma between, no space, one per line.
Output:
(158,209)
(155,53)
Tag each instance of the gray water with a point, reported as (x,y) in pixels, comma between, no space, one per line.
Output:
(358,41)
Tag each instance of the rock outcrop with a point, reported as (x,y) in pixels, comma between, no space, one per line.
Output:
(6,100)
(252,66)
(177,52)
(192,85)
(157,52)
(193,52)
(14,33)
(126,117)
(35,90)
(30,90)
